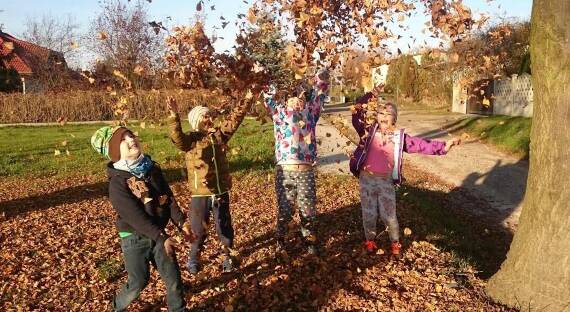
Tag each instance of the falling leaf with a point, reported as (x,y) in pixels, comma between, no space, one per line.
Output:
(454,57)
(117,73)
(62,121)
(407,232)
(103,35)
(8,45)
(56,152)
(139,70)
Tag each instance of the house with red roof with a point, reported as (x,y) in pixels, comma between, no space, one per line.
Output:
(29,60)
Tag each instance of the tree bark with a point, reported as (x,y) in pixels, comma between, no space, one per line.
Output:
(536,274)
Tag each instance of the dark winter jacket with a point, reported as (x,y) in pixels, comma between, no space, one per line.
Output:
(136,217)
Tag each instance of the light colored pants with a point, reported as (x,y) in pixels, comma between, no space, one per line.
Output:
(378,196)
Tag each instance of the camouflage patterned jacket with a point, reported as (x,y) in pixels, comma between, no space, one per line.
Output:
(206,160)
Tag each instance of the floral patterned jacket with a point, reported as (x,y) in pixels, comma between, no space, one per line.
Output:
(294,129)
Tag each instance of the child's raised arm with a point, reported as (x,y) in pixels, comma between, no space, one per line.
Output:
(180,139)
(235,118)
(359,113)
(269,100)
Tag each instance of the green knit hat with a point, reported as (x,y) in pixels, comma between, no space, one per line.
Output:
(106,141)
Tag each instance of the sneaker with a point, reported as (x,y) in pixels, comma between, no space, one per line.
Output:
(370,246)
(193,267)
(396,247)
(227,265)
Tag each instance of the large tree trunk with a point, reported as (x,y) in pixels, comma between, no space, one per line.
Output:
(536,274)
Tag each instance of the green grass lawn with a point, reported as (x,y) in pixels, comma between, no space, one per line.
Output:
(510,134)
(32,150)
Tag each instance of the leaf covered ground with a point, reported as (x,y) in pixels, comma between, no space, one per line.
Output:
(60,251)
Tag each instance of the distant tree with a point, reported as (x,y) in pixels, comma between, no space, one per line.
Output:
(355,72)
(435,83)
(125,39)
(403,77)
(500,49)
(60,37)
(59,34)
(263,42)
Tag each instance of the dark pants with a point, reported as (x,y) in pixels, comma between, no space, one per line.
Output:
(139,252)
(200,209)
(296,188)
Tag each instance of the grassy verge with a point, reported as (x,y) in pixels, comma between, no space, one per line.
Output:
(509,134)
(65,150)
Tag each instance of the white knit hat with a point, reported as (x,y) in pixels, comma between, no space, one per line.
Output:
(195,117)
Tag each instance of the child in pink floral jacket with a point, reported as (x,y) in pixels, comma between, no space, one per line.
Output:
(294,124)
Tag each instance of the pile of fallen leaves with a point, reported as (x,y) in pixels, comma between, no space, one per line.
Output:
(60,251)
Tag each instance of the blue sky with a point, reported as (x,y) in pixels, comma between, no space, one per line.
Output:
(15,12)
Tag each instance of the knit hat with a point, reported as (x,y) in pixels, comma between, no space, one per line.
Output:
(195,117)
(106,141)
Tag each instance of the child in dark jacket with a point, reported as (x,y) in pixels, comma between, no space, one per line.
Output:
(377,162)
(145,204)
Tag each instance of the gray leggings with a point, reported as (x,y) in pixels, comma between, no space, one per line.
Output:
(378,197)
(296,187)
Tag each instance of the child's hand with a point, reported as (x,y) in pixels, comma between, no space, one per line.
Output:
(171,105)
(295,103)
(170,246)
(378,89)
(449,144)
(355,108)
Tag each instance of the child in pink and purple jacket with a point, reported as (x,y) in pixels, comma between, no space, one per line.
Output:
(377,162)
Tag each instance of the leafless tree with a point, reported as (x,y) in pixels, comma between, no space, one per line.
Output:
(124,37)
(60,34)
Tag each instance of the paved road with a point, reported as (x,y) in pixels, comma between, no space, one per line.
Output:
(482,171)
